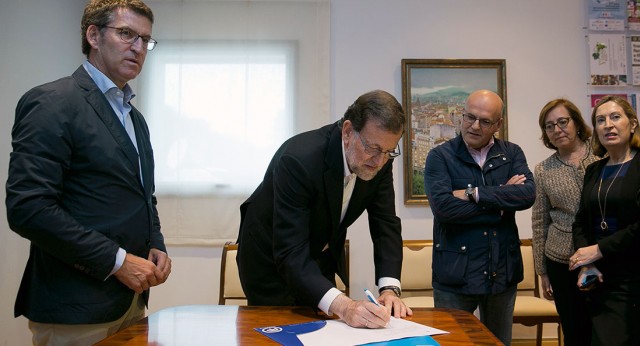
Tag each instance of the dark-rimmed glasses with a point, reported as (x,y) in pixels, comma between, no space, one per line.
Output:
(471,119)
(375,151)
(561,122)
(129,36)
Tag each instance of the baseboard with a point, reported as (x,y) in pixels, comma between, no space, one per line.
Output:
(532,342)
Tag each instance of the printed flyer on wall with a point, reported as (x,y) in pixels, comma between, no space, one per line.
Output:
(635,60)
(633,12)
(607,15)
(595,98)
(608,59)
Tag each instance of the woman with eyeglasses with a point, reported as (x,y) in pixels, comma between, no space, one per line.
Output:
(559,180)
(607,226)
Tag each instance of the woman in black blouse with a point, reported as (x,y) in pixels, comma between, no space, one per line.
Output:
(607,226)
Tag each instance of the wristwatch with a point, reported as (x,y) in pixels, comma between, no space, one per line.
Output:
(395,290)
(470,192)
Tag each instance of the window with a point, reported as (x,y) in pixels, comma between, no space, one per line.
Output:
(228,82)
(217,111)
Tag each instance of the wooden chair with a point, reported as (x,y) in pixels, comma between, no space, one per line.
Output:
(417,290)
(231,292)
(339,284)
(531,309)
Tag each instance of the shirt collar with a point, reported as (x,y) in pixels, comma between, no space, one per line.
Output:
(347,171)
(104,83)
(481,150)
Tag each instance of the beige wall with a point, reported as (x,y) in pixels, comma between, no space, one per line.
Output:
(40,41)
(542,41)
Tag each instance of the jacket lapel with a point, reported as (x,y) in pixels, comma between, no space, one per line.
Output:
(359,190)
(106,114)
(142,137)
(334,176)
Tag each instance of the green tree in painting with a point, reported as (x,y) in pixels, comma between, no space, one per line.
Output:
(418,184)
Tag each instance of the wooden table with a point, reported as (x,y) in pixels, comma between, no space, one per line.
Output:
(232,325)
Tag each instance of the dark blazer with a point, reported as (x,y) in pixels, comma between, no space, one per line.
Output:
(621,260)
(614,305)
(295,212)
(74,191)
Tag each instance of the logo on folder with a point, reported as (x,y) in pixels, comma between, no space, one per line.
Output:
(287,334)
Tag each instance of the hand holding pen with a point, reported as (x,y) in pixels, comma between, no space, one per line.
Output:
(371,297)
(360,313)
(386,316)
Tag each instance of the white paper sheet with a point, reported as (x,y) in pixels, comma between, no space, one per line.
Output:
(338,333)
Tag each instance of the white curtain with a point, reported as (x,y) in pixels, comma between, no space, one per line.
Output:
(228,82)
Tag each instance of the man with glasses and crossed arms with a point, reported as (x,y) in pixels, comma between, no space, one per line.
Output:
(81,188)
(293,228)
(475,184)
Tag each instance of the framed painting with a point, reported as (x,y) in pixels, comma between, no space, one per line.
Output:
(434,92)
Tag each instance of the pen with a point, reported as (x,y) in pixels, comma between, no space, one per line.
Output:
(371,297)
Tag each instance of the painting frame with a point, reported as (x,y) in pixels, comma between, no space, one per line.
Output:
(433,94)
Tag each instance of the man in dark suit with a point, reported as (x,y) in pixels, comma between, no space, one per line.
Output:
(81,186)
(294,225)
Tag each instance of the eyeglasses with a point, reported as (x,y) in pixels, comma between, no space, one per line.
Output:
(561,122)
(471,119)
(129,36)
(375,151)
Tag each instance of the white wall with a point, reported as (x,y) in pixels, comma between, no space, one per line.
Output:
(542,42)
(40,41)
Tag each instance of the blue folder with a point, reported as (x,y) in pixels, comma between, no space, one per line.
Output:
(412,341)
(286,335)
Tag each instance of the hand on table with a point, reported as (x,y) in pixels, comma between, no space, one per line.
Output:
(394,304)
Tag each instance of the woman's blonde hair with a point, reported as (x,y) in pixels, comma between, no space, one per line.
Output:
(634,141)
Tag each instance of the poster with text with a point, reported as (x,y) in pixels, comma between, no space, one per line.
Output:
(595,98)
(633,98)
(635,60)
(607,15)
(633,14)
(608,59)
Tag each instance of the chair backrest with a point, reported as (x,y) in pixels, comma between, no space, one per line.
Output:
(339,284)
(416,268)
(230,289)
(231,292)
(529,284)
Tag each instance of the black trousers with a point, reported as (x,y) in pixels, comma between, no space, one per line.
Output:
(614,307)
(571,304)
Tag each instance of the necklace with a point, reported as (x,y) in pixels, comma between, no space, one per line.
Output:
(603,223)
(576,157)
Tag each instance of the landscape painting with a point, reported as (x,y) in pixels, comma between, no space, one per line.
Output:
(433,96)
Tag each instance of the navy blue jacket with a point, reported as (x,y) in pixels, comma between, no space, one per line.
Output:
(476,245)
